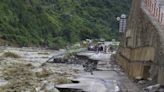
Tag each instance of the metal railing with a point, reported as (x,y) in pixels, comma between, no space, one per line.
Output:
(156,9)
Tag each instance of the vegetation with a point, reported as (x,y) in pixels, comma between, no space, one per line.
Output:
(55,23)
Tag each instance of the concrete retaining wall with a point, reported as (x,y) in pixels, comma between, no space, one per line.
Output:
(141,52)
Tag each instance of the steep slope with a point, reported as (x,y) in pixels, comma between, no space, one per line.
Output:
(57,22)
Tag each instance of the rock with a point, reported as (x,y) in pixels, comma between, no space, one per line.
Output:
(138,78)
(149,79)
(43,73)
(152,87)
(141,81)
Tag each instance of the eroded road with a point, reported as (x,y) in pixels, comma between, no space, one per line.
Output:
(107,78)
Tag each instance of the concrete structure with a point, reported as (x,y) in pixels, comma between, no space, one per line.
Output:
(141,52)
(156,9)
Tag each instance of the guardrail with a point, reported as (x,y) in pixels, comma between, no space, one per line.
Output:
(156,9)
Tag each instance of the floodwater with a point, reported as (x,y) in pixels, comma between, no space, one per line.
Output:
(42,78)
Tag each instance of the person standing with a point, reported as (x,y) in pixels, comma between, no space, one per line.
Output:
(97,48)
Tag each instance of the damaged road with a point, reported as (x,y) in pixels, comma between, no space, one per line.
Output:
(108,77)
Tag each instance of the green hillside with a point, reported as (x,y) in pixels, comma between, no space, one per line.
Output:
(58,22)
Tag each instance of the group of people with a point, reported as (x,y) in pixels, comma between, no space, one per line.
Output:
(100,47)
(89,66)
